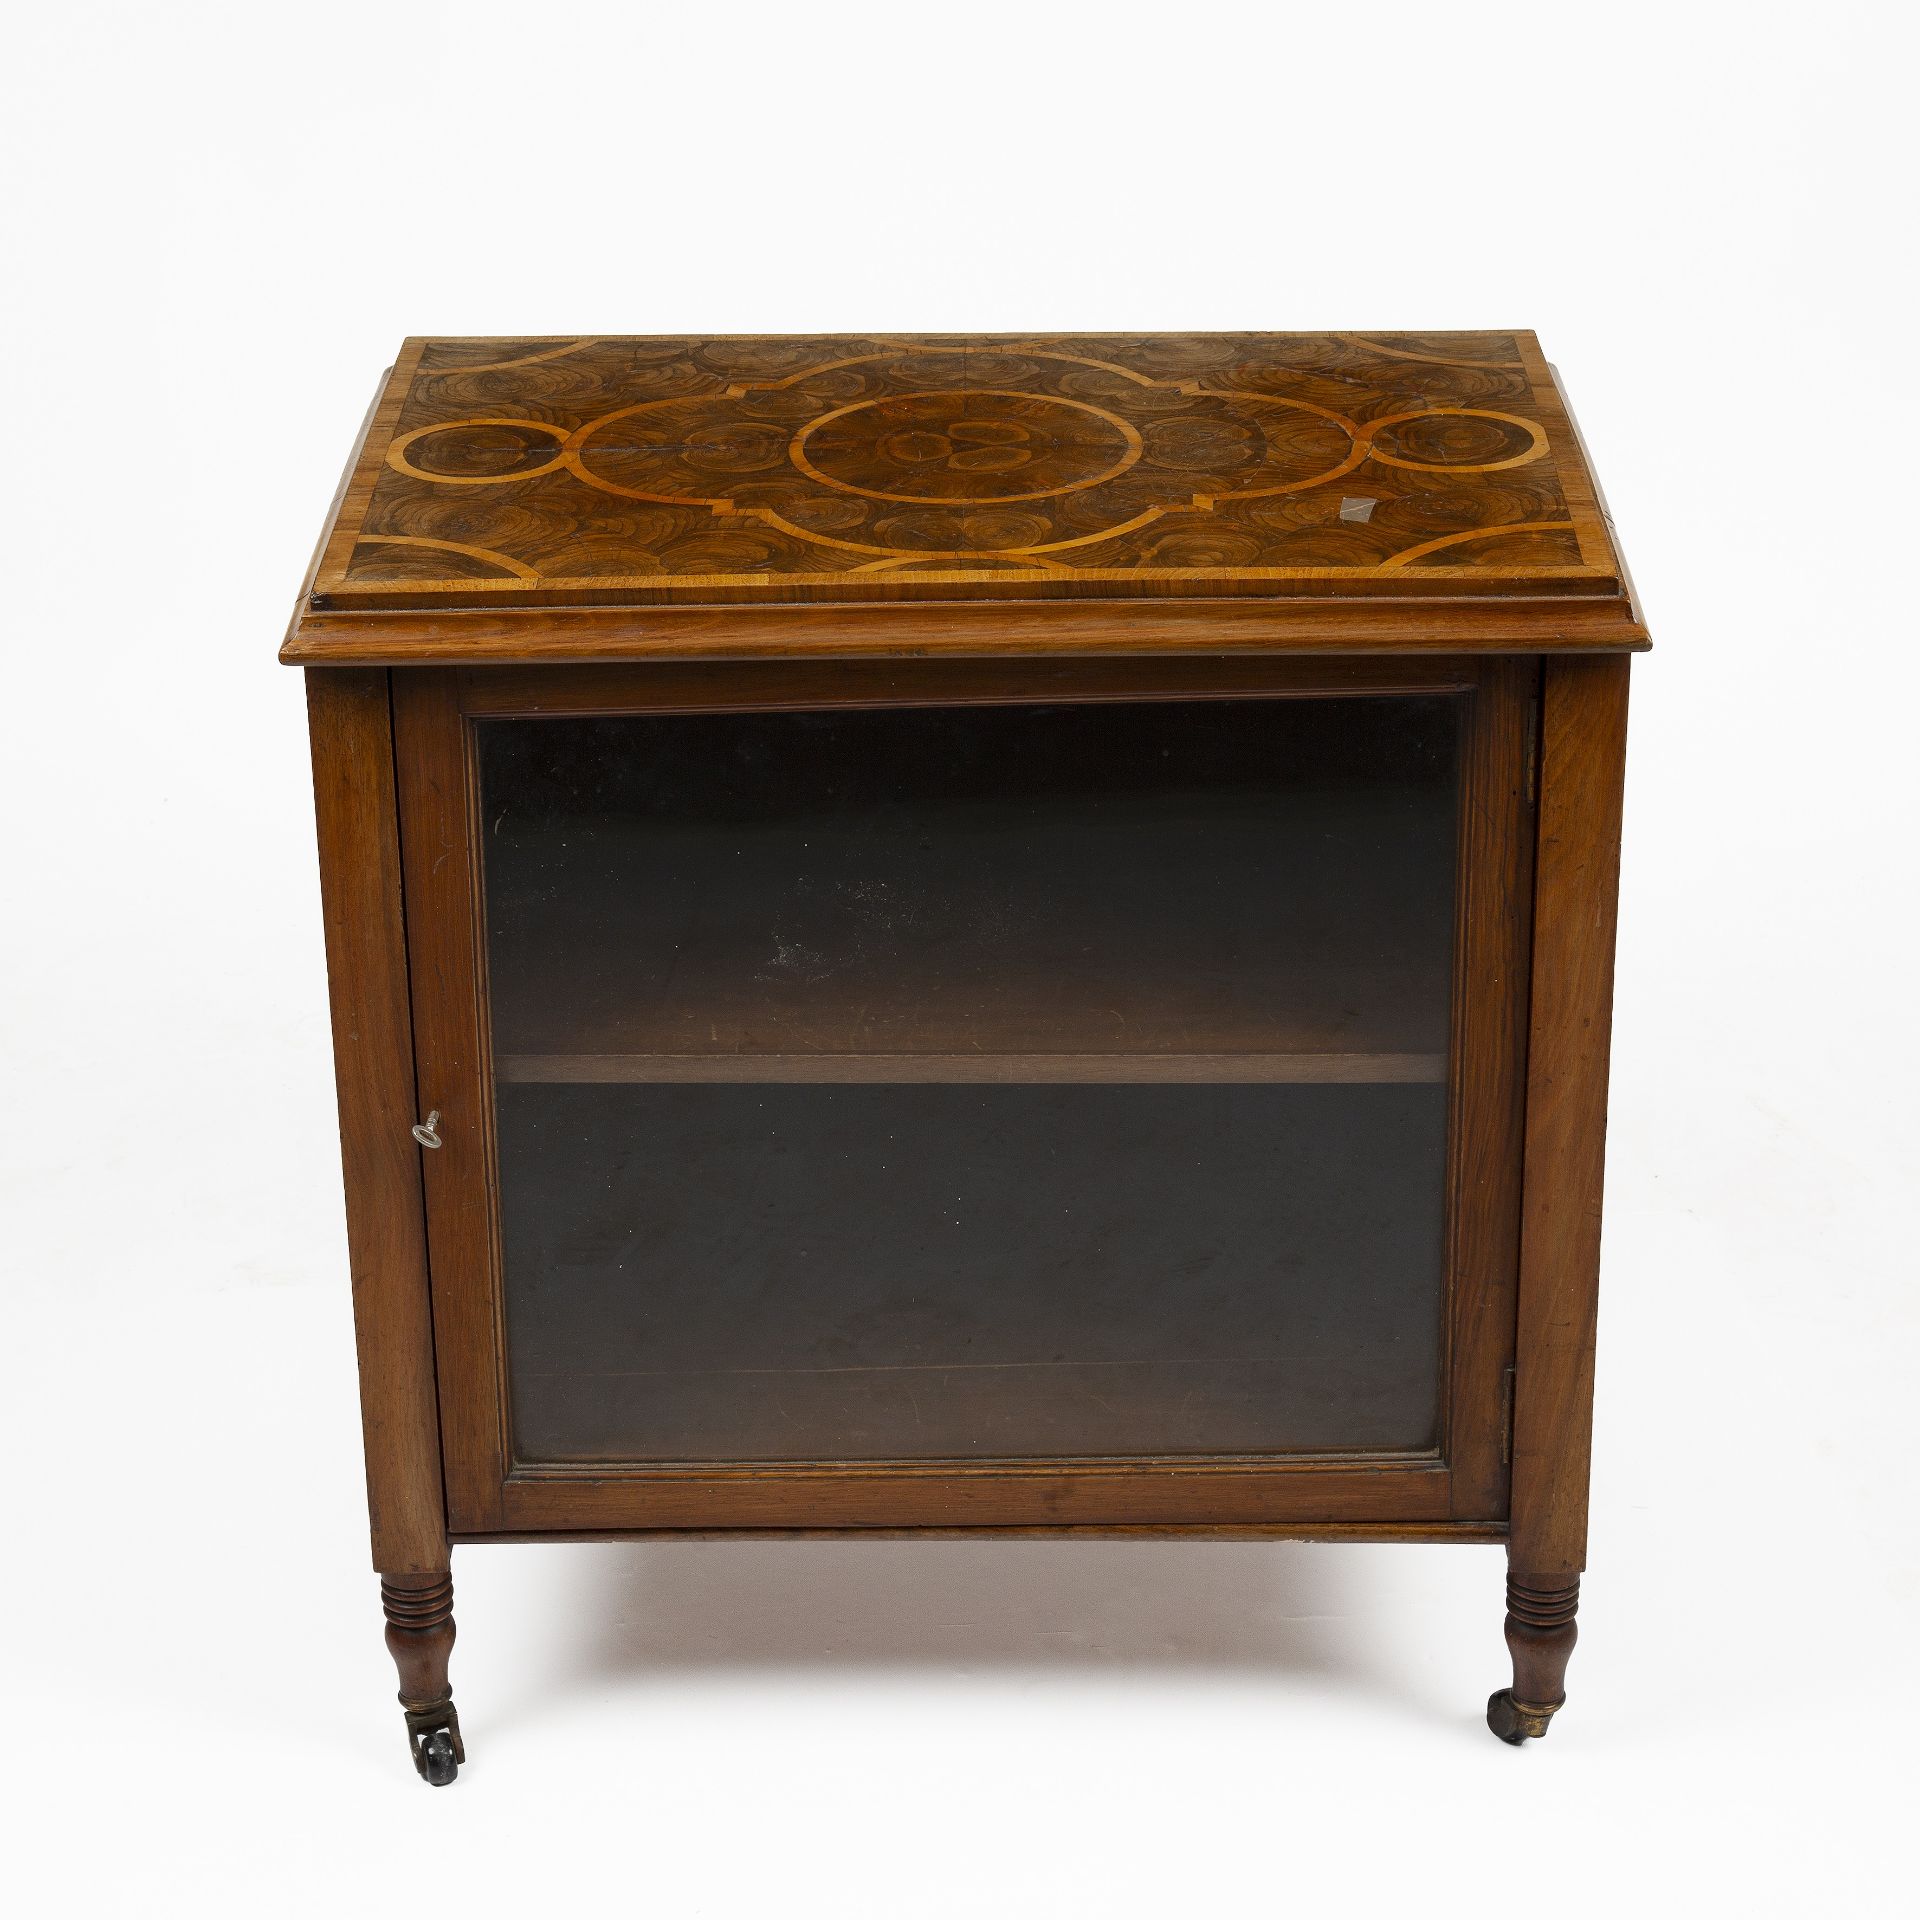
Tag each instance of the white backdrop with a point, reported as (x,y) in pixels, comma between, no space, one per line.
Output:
(222,218)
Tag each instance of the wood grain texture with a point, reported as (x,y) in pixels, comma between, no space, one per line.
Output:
(1540,1633)
(649,467)
(1582,765)
(1260,1493)
(450,996)
(1444,621)
(889,469)
(373,1056)
(800,684)
(1488,1055)
(619,525)
(420,1634)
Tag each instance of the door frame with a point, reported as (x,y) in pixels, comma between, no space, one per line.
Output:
(1458,1487)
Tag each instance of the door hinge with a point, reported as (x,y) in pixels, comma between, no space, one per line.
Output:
(1506,1418)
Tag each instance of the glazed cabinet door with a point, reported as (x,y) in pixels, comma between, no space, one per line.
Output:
(977,1094)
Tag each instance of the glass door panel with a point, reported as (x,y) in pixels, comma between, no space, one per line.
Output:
(972,1083)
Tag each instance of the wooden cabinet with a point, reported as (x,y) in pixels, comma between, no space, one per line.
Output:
(971,936)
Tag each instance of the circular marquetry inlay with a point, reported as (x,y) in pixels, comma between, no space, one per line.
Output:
(965,448)
(478,453)
(928,460)
(1455,440)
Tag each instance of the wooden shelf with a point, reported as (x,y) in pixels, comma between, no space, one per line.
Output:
(963,1069)
(1121,896)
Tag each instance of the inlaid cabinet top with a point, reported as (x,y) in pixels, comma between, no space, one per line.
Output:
(502,475)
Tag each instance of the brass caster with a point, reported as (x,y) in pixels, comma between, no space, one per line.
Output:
(1515,1721)
(433,1735)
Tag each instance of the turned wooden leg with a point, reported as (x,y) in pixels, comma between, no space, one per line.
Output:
(419,1609)
(1540,1636)
(1582,740)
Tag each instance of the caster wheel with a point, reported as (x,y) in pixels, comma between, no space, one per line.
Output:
(1500,1717)
(1517,1724)
(438,1762)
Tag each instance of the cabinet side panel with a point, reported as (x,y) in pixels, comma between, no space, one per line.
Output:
(1583,725)
(351,728)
